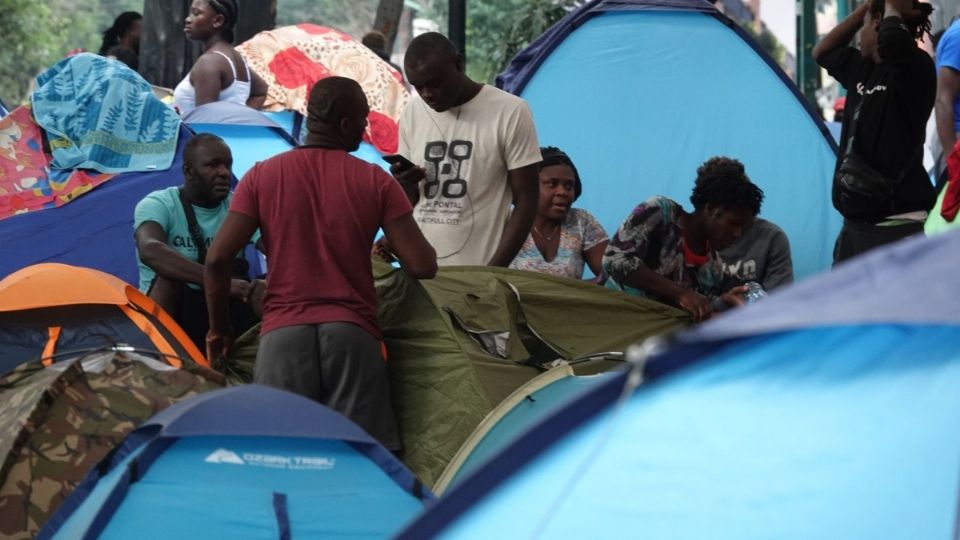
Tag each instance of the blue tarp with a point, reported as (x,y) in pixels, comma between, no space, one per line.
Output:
(243,462)
(639,93)
(95,230)
(842,428)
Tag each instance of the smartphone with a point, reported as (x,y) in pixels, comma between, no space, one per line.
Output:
(397,159)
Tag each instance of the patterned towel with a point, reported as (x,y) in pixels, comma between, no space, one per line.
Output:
(291,58)
(99,114)
(26,181)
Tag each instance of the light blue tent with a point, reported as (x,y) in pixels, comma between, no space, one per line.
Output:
(828,411)
(639,93)
(522,409)
(243,462)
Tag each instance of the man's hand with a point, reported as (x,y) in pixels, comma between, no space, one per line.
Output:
(409,175)
(382,250)
(735,296)
(239,288)
(696,304)
(219,345)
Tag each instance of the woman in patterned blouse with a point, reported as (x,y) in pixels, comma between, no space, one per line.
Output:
(668,254)
(562,238)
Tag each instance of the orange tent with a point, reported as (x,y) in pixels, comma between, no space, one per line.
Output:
(50,309)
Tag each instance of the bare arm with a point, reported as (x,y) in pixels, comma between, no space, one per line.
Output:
(841,34)
(594,257)
(645,279)
(524,183)
(258,91)
(416,255)
(163,259)
(206,78)
(235,232)
(948,87)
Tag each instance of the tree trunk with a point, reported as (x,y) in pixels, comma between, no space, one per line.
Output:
(166,56)
(388,19)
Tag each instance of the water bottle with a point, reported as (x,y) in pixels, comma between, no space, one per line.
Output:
(754,292)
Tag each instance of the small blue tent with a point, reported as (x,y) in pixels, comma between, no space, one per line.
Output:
(829,410)
(243,462)
(639,93)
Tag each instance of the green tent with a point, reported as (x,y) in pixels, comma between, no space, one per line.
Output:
(460,343)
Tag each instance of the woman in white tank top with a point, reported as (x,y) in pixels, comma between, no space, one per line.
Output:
(215,76)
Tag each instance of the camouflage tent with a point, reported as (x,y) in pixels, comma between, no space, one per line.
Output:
(58,420)
(461,343)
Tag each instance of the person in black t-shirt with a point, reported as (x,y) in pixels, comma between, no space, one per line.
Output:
(896,82)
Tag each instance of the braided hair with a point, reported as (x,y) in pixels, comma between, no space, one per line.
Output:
(723,183)
(230,12)
(918,27)
(554,156)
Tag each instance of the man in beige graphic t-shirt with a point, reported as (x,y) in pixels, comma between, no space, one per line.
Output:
(476,151)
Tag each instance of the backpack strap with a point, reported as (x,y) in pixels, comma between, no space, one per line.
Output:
(196,233)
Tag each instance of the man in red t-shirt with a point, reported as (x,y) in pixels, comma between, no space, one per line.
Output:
(318,210)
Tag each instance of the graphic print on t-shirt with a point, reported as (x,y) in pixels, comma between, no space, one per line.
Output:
(446,200)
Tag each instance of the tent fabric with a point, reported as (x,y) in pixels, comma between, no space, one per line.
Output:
(461,343)
(99,114)
(95,230)
(225,112)
(27,182)
(54,311)
(58,421)
(521,410)
(292,58)
(293,469)
(771,433)
(671,84)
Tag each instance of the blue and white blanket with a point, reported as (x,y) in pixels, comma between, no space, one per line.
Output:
(99,114)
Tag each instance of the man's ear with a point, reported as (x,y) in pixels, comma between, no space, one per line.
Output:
(219,21)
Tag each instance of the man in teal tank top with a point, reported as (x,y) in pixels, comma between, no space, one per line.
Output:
(170,256)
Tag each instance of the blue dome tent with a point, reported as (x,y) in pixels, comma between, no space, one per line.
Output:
(826,411)
(243,462)
(639,93)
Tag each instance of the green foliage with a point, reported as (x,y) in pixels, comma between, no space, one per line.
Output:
(354,17)
(769,43)
(498,29)
(38,34)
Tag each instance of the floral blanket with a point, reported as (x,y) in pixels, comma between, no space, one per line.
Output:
(292,58)
(26,181)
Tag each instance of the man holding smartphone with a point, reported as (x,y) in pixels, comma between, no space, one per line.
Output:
(472,151)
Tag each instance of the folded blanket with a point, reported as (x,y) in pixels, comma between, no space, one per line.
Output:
(99,114)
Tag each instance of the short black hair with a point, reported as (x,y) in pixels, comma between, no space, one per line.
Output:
(554,156)
(723,183)
(332,99)
(192,149)
(230,12)
(429,45)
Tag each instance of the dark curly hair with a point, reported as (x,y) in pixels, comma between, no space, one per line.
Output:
(723,183)
(112,35)
(917,27)
(555,156)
